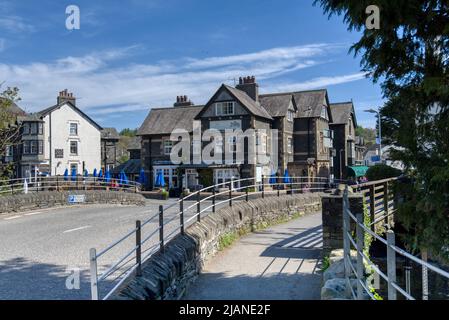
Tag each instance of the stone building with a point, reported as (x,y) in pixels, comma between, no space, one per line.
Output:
(303,142)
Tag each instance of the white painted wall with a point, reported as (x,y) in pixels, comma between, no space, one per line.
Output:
(89,141)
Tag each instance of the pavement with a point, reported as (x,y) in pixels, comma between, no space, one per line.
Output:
(42,250)
(279,263)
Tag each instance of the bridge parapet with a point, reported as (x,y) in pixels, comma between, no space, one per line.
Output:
(168,275)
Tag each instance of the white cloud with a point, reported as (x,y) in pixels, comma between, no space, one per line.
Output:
(103,88)
(321,82)
(15,24)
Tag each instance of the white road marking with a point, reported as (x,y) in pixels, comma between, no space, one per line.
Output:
(77,229)
(12,218)
(33,213)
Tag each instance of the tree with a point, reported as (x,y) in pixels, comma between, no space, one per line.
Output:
(128,132)
(9,130)
(409,56)
(369,135)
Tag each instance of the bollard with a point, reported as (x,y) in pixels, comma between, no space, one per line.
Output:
(181,216)
(93,274)
(391,265)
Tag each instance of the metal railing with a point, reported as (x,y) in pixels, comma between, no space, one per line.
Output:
(62,183)
(363,262)
(152,235)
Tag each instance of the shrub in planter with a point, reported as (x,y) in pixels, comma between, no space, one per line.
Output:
(382,171)
(164,194)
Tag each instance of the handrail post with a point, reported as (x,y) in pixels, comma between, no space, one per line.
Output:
(386,204)
(291,185)
(425,276)
(346,244)
(230,194)
(139,248)
(181,215)
(391,265)
(278,187)
(213,199)
(247,194)
(161,228)
(93,274)
(360,243)
(57,183)
(198,206)
(372,206)
(263,187)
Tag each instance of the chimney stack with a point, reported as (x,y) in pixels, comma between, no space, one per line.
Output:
(182,101)
(65,96)
(250,86)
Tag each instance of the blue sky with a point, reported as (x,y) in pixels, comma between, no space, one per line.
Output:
(128,58)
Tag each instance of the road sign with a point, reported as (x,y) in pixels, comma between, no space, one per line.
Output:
(375,159)
(78,198)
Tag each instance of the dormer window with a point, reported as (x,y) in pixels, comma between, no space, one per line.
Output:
(324,113)
(224,108)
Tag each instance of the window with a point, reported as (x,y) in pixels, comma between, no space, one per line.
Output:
(232,143)
(9,151)
(74,148)
(261,142)
(322,148)
(33,128)
(41,128)
(350,127)
(289,145)
(26,147)
(33,147)
(26,128)
(168,145)
(41,146)
(324,113)
(224,108)
(290,115)
(73,129)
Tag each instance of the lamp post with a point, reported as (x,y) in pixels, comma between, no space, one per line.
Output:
(380,129)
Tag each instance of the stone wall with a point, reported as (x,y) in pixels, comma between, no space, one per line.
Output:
(333,219)
(25,202)
(168,275)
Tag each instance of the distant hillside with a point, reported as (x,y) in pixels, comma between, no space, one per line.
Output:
(368,134)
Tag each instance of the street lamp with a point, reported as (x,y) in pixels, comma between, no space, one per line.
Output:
(380,130)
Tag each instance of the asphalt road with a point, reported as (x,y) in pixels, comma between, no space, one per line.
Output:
(39,250)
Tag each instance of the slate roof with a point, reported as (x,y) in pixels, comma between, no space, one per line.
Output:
(14,109)
(135,143)
(276,104)
(49,110)
(165,120)
(310,103)
(132,166)
(110,134)
(341,112)
(254,107)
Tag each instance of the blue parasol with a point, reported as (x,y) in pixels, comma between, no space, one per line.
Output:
(95,173)
(66,174)
(108,176)
(287,178)
(272,178)
(142,178)
(73,175)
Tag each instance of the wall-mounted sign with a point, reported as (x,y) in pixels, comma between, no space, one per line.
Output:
(76,198)
(226,124)
(59,153)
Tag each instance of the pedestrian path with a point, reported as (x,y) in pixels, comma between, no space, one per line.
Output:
(281,262)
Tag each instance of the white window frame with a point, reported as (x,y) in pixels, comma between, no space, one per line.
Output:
(290,114)
(226,108)
(75,133)
(77,148)
(168,147)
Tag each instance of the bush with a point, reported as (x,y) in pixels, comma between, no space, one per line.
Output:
(164,194)
(382,171)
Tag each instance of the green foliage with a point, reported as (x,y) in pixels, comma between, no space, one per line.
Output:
(382,171)
(128,132)
(409,56)
(326,263)
(164,194)
(206,177)
(227,240)
(368,134)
